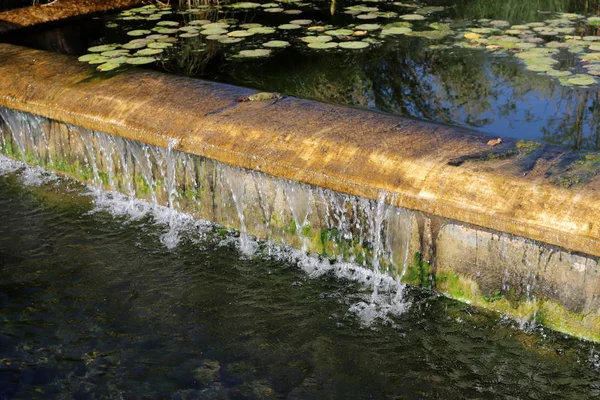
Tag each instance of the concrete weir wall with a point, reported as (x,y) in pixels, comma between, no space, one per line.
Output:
(513,228)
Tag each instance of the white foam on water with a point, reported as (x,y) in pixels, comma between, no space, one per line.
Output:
(37,176)
(120,205)
(385,301)
(9,166)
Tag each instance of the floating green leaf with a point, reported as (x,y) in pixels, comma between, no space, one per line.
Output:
(581,80)
(317,39)
(367,16)
(301,22)
(240,34)
(199,22)
(102,48)
(230,40)
(140,60)
(213,31)
(368,27)
(395,31)
(339,32)
(139,32)
(355,45)
(289,26)
(114,53)
(167,31)
(263,30)
(250,26)
(109,66)
(412,17)
(320,45)
(245,5)
(167,23)
(254,53)
(276,44)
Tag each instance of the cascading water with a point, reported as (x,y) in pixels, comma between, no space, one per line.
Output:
(348,229)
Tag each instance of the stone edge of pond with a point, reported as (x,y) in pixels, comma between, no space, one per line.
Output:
(63,9)
(426,167)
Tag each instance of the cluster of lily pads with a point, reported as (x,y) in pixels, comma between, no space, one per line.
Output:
(150,43)
(540,45)
(543,45)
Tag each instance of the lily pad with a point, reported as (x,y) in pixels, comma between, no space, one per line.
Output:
(274,10)
(246,5)
(216,25)
(557,73)
(188,35)
(355,45)
(109,66)
(157,36)
(321,45)
(89,57)
(367,16)
(395,31)
(301,21)
(412,17)
(114,53)
(581,80)
(317,39)
(147,52)
(230,40)
(270,5)
(254,53)
(240,34)
(167,31)
(213,31)
(289,26)
(189,29)
(134,45)
(292,12)
(159,45)
(217,37)
(263,30)
(250,26)
(102,48)
(199,22)
(99,60)
(139,32)
(339,32)
(140,60)
(276,44)
(368,27)
(167,23)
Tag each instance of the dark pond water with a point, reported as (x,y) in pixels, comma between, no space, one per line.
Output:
(525,69)
(94,306)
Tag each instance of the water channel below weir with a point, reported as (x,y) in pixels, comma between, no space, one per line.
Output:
(97,305)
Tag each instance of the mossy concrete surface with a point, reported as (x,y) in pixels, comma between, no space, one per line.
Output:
(56,11)
(346,150)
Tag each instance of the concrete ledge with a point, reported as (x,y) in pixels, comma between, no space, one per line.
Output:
(63,9)
(516,188)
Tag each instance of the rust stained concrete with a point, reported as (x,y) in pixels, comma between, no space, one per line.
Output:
(62,9)
(344,149)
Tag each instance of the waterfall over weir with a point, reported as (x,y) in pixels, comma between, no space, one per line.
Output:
(369,233)
(525,279)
